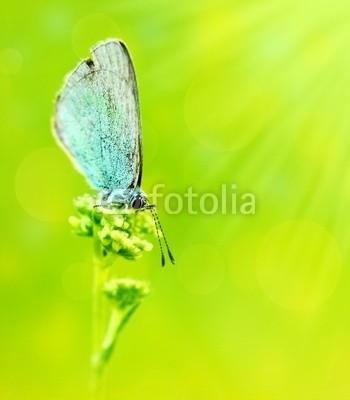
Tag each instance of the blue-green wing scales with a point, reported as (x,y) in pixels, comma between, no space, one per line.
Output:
(98,121)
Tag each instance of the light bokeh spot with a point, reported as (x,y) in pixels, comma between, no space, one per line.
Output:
(77,281)
(92,29)
(298,264)
(42,181)
(11,61)
(201,269)
(224,109)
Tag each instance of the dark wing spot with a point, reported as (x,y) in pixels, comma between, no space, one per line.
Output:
(90,63)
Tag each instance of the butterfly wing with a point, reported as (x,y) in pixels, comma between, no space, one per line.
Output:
(97,118)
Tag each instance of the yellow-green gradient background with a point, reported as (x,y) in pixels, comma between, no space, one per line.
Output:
(254,93)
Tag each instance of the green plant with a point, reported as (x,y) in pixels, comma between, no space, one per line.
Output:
(116,232)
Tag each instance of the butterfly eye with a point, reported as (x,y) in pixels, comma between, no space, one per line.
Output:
(137,203)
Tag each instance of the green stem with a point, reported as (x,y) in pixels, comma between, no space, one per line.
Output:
(100,306)
(109,340)
(117,321)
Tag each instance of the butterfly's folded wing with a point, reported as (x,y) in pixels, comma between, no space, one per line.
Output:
(97,118)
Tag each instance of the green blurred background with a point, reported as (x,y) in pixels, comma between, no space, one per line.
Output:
(252,93)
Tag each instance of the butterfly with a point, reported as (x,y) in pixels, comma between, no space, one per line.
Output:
(97,122)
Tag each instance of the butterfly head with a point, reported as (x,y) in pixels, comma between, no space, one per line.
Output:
(138,201)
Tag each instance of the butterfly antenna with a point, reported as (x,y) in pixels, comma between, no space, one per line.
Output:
(159,226)
(158,236)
